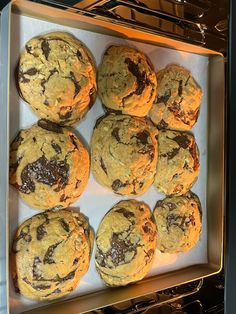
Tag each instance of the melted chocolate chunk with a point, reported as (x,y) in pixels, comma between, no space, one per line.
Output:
(56,147)
(50,126)
(180,88)
(22,78)
(164,98)
(146,228)
(71,275)
(162,125)
(117,184)
(79,55)
(77,86)
(54,292)
(103,165)
(40,287)
(46,103)
(143,137)
(115,134)
(49,172)
(76,260)
(35,271)
(24,235)
(126,213)
(31,71)
(40,232)
(171,154)
(28,49)
(117,252)
(48,257)
(98,121)
(141,78)
(65,225)
(45,48)
(177,220)
(43,82)
(182,140)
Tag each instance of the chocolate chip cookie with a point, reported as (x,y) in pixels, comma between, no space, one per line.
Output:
(49,166)
(57,77)
(124,153)
(126,242)
(51,252)
(178,163)
(178,99)
(126,81)
(179,222)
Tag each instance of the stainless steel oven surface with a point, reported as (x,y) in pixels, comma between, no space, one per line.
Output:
(191,33)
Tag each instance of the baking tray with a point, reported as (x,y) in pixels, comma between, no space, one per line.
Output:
(169,270)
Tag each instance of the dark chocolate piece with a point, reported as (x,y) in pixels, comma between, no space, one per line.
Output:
(45,48)
(24,235)
(65,225)
(117,252)
(48,257)
(180,88)
(56,147)
(103,165)
(117,184)
(164,98)
(115,134)
(162,125)
(31,71)
(76,260)
(41,232)
(126,213)
(182,140)
(50,126)
(171,154)
(50,172)
(141,78)
(77,86)
(143,137)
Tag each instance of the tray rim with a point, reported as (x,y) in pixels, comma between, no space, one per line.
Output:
(207,269)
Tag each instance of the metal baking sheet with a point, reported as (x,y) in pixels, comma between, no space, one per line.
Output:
(97,200)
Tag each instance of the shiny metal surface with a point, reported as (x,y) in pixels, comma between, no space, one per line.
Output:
(201,22)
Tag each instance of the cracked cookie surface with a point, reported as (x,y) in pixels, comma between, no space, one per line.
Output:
(126,81)
(51,252)
(49,166)
(57,77)
(178,162)
(126,243)
(178,99)
(124,153)
(178,222)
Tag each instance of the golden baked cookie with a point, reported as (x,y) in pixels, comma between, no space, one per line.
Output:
(51,252)
(57,77)
(178,99)
(179,223)
(126,242)
(126,81)
(49,166)
(124,153)
(178,162)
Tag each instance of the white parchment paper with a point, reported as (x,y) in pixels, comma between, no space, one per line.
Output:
(97,200)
